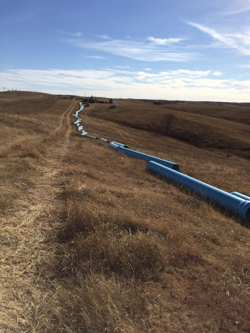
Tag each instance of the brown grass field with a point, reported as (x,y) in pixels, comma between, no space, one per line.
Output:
(91,242)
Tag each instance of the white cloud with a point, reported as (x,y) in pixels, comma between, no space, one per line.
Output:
(173,84)
(72,34)
(217,73)
(77,34)
(137,50)
(103,36)
(122,67)
(95,57)
(236,7)
(244,66)
(167,41)
(235,40)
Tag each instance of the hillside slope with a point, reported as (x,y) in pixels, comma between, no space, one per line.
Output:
(91,242)
(212,127)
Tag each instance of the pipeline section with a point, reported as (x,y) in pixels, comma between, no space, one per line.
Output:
(235,202)
(124,149)
(79,120)
(78,123)
(238,204)
(242,196)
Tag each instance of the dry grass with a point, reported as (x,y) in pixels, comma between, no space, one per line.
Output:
(91,242)
(200,125)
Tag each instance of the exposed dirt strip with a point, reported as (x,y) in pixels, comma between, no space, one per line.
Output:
(22,241)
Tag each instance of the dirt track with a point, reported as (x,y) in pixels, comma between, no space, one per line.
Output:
(22,235)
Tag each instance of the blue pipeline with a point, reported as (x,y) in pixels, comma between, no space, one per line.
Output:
(115,145)
(91,137)
(142,156)
(242,196)
(120,144)
(80,128)
(233,203)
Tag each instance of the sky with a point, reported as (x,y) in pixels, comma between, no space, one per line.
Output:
(163,49)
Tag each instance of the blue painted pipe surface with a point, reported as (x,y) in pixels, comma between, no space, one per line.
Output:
(147,158)
(227,200)
(91,137)
(113,145)
(242,196)
(120,144)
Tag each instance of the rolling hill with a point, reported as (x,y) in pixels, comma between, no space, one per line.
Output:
(91,242)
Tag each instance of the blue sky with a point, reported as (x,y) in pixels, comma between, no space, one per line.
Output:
(161,49)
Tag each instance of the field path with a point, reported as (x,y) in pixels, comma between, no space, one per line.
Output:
(59,147)
(25,228)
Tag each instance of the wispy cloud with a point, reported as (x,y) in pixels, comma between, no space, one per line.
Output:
(72,34)
(217,73)
(123,67)
(103,36)
(244,66)
(235,7)
(161,41)
(173,84)
(153,49)
(95,57)
(236,40)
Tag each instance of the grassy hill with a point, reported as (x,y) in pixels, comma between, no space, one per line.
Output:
(204,125)
(91,242)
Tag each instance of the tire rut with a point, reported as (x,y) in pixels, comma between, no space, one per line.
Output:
(24,231)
